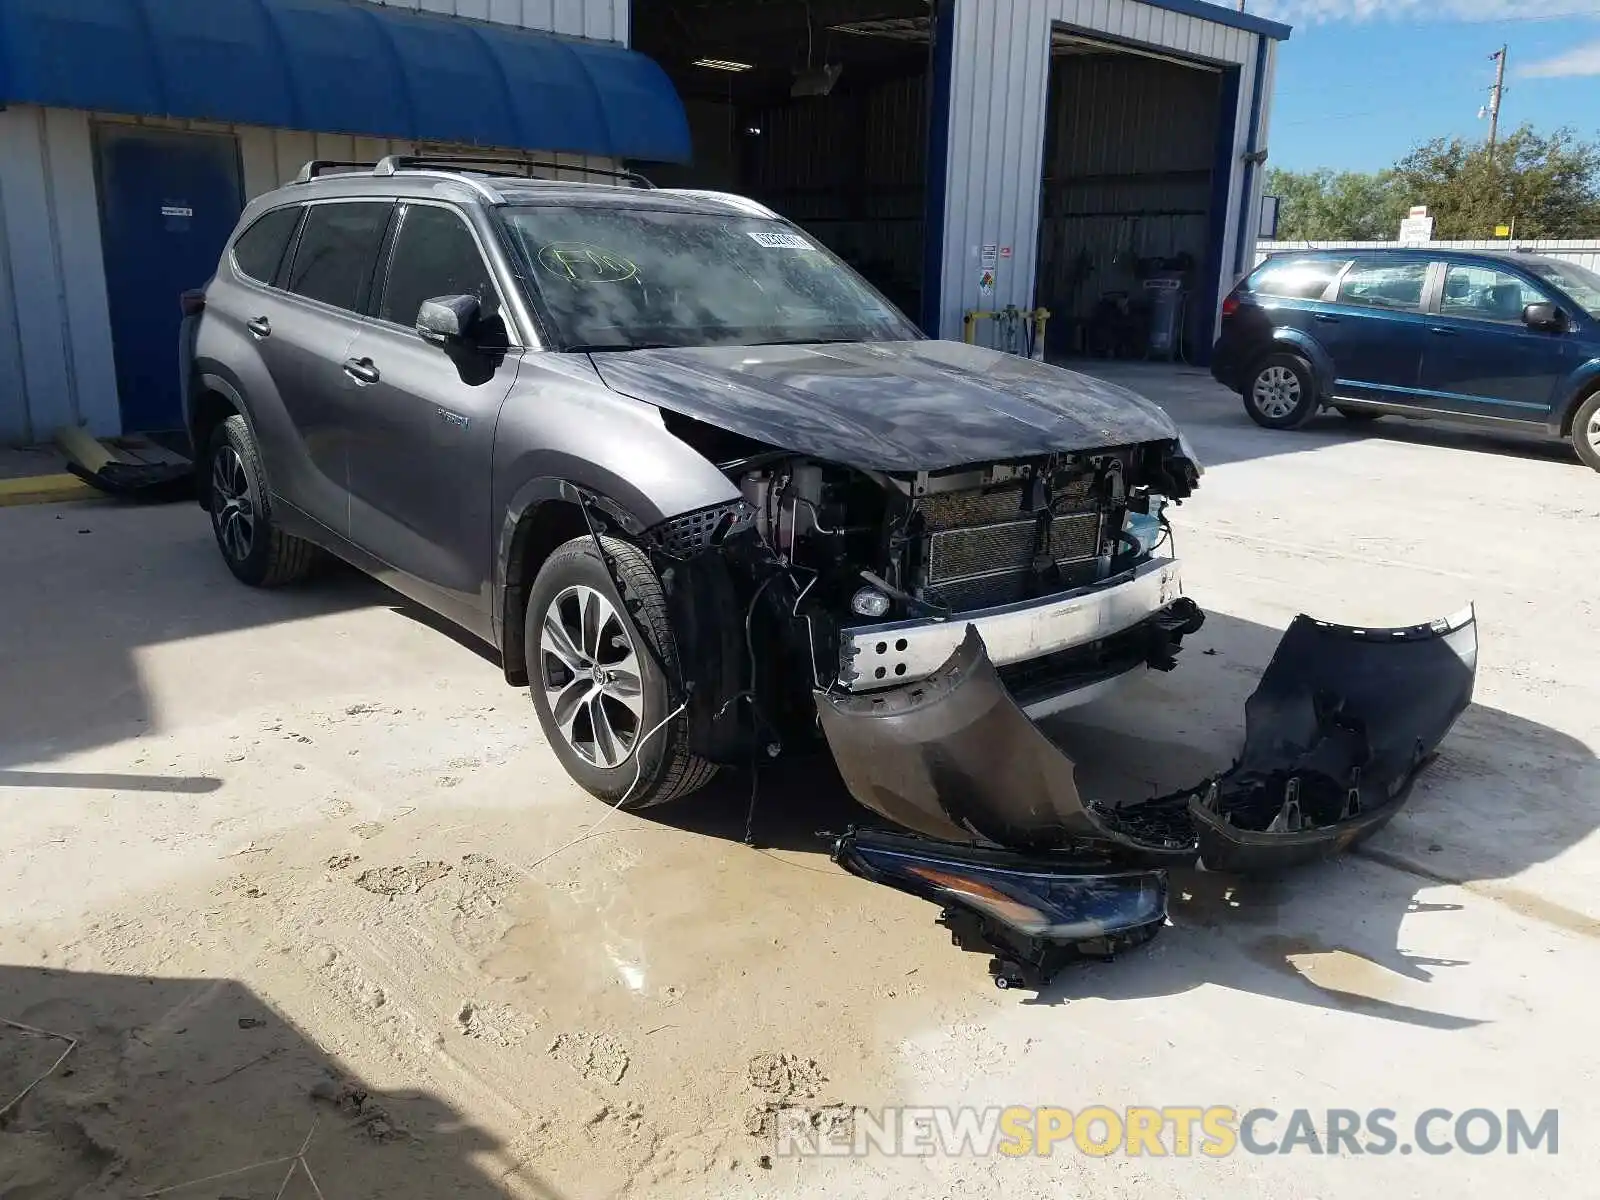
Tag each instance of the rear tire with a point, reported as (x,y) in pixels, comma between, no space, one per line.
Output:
(255,549)
(1586,431)
(1281,392)
(1356,414)
(597,691)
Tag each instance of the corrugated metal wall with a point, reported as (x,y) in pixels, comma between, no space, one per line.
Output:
(851,170)
(603,20)
(1130,152)
(1583,253)
(56,364)
(997,127)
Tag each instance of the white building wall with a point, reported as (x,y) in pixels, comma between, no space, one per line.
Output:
(56,360)
(56,366)
(602,20)
(999,85)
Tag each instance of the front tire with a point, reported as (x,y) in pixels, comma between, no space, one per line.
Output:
(255,549)
(1281,392)
(1586,431)
(599,693)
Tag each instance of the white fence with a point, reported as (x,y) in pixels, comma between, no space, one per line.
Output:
(1585,254)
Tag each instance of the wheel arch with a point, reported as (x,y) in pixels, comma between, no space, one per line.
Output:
(213,400)
(1585,383)
(1293,341)
(546,514)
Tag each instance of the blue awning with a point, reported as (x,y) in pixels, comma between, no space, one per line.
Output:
(340,66)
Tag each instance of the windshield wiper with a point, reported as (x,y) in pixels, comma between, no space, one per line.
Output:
(616,347)
(811,341)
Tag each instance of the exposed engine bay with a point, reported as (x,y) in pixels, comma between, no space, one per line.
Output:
(936,545)
(920,621)
(834,578)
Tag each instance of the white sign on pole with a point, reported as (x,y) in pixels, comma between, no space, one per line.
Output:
(1416,230)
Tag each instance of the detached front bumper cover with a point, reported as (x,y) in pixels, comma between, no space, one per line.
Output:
(1336,733)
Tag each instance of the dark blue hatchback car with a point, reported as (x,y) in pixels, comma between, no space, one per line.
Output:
(1502,340)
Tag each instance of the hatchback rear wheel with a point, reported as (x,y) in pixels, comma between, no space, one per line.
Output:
(1281,393)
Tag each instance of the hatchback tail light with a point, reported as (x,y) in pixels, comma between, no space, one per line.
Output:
(1230,305)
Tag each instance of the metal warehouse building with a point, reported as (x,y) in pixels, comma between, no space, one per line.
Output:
(962,154)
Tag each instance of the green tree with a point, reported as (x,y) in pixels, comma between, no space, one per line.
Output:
(1328,206)
(1546,186)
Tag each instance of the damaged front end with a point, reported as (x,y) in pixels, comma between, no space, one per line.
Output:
(1335,735)
(823,576)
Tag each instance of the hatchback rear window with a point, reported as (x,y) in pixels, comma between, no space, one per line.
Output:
(1295,278)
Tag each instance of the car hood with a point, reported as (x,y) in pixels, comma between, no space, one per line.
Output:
(889,406)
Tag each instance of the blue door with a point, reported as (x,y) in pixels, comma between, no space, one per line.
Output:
(1375,330)
(1482,359)
(168,201)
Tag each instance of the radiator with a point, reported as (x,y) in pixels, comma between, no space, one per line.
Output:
(979,548)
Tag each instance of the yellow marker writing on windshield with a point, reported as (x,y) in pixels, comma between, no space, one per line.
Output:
(581,262)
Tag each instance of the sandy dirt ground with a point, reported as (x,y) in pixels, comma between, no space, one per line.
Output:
(280,866)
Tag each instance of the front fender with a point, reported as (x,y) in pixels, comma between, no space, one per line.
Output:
(1577,388)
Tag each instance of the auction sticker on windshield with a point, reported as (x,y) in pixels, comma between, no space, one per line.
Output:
(581,262)
(779,241)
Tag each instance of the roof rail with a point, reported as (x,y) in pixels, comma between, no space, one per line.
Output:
(490,164)
(322,166)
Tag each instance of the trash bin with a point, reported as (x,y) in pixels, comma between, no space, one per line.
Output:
(1166,296)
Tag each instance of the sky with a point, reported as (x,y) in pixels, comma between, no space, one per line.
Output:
(1363,81)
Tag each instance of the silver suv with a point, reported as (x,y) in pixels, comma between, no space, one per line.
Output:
(713,498)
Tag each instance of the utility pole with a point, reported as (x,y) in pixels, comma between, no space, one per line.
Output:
(1499,56)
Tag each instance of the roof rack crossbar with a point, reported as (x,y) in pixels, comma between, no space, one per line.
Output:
(321,166)
(518,167)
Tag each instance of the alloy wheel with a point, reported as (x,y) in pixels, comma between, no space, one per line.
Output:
(232,505)
(589,670)
(1591,431)
(1276,393)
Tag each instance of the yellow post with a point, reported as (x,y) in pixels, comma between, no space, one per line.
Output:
(1041,318)
(969,325)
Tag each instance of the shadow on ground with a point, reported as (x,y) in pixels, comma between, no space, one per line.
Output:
(87,588)
(196,1089)
(1222,433)
(1505,795)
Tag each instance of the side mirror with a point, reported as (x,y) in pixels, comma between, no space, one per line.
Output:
(1545,317)
(446,320)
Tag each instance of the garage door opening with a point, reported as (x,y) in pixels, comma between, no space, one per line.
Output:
(1132,225)
(817,110)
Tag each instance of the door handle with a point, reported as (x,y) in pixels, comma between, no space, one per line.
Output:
(1442,330)
(1326,318)
(361,370)
(260,327)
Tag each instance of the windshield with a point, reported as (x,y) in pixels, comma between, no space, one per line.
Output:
(615,278)
(1582,284)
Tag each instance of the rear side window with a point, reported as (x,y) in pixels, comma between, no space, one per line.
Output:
(1295,278)
(338,251)
(259,251)
(435,254)
(1384,283)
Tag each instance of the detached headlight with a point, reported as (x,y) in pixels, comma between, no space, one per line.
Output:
(1188,452)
